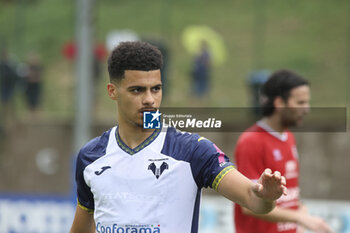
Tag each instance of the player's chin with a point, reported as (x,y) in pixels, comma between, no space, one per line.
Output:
(299,121)
(138,121)
(294,124)
(139,124)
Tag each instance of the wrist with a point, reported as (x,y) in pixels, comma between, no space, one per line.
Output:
(267,206)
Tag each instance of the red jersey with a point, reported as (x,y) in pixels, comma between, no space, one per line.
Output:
(258,148)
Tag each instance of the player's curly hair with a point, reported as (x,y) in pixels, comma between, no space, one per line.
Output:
(133,55)
(280,83)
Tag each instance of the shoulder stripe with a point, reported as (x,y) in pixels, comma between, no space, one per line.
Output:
(90,211)
(221,175)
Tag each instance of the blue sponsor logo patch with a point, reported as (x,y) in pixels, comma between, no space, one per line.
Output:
(127,228)
(151,120)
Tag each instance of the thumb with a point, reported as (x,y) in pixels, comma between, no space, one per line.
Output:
(257,187)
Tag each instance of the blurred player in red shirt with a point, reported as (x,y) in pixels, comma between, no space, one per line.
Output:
(269,143)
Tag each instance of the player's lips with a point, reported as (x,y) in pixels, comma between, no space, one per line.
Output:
(148,110)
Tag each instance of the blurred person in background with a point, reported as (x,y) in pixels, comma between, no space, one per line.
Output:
(132,179)
(8,82)
(97,77)
(201,71)
(269,143)
(33,83)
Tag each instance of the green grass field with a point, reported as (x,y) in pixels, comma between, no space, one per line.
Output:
(311,37)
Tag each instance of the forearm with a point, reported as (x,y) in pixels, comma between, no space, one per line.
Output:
(83,222)
(239,189)
(300,217)
(276,215)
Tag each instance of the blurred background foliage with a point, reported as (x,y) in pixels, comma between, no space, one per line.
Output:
(311,37)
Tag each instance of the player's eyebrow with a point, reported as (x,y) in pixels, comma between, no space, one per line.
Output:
(158,85)
(136,87)
(142,87)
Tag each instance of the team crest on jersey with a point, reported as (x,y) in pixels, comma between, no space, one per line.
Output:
(277,155)
(157,171)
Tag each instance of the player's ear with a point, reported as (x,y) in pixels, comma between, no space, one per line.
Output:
(112,91)
(279,102)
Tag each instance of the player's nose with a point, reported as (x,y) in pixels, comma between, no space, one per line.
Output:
(148,98)
(306,108)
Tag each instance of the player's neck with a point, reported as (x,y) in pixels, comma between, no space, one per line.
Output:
(133,135)
(274,122)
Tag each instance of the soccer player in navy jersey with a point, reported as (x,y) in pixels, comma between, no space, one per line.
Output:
(132,179)
(269,142)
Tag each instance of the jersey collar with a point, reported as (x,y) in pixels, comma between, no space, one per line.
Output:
(281,136)
(145,143)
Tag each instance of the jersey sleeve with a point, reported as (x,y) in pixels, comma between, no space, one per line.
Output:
(249,155)
(209,164)
(90,152)
(84,194)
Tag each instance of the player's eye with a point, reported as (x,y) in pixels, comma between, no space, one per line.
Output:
(156,88)
(302,102)
(136,90)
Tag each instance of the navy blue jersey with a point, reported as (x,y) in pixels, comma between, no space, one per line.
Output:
(154,187)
